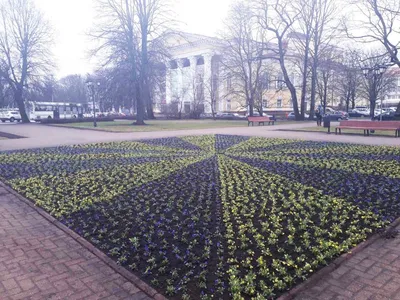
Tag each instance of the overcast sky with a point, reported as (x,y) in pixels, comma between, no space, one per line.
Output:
(71,19)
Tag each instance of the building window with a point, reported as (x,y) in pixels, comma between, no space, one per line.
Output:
(228,105)
(264,103)
(279,103)
(280,82)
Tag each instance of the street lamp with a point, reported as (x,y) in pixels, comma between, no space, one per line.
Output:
(90,85)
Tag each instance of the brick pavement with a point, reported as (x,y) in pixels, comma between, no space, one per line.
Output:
(371,274)
(40,261)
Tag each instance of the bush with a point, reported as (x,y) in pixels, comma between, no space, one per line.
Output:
(75,120)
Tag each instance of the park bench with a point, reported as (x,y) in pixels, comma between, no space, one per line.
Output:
(370,125)
(259,120)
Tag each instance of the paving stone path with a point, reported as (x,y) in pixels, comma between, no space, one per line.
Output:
(40,261)
(373,273)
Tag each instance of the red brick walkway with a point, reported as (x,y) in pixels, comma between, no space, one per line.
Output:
(373,273)
(40,261)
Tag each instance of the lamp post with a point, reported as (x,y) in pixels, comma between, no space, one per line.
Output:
(90,85)
(375,73)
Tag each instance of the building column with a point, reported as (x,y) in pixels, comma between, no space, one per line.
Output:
(207,81)
(168,83)
(193,79)
(180,80)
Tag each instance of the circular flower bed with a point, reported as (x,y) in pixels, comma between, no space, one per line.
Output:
(215,217)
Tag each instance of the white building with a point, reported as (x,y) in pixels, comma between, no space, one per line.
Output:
(193,71)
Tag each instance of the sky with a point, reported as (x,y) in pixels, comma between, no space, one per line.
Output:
(72,19)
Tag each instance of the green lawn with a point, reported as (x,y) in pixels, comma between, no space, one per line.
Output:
(161,125)
(344,131)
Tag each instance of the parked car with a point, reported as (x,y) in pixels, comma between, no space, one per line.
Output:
(10,115)
(291,116)
(337,115)
(355,113)
(115,114)
(230,116)
(257,114)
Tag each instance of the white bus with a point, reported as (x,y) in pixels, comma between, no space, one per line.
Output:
(55,110)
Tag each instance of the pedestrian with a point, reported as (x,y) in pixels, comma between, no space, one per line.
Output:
(319,117)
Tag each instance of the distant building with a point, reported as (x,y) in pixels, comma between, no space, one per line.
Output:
(195,81)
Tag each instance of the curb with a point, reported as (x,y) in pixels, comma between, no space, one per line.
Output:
(316,277)
(144,287)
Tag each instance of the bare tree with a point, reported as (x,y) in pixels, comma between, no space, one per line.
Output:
(325,29)
(278,17)
(6,95)
(329,73)
(25,40)
(212,87)
(118,46)
(129,34)
(154,23)
(302,41)
(379,24)
(71,89)
(349,78)
(243,54)
(375,86)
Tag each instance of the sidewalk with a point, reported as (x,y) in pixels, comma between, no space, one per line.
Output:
(40,136)
(373,273)
(40,261)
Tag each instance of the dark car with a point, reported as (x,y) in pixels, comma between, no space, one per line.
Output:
(358,114)
(337,116)
(388,116)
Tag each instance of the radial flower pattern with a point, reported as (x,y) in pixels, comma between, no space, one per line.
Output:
(215,217)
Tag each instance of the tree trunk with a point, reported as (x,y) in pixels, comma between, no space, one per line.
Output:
(145,92)
(140,108)
(149,109)
(18,97)
(353,99)
(372,98)
(325,78)
(304,85)
(251,108)
(289,84)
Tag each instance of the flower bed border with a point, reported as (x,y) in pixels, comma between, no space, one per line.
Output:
(151,292)
(144,287)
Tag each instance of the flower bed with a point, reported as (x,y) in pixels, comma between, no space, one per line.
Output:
(210,217)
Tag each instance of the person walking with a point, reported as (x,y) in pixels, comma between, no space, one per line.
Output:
(319,116)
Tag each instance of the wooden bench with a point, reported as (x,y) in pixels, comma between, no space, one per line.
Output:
(370,125)
(259,120)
